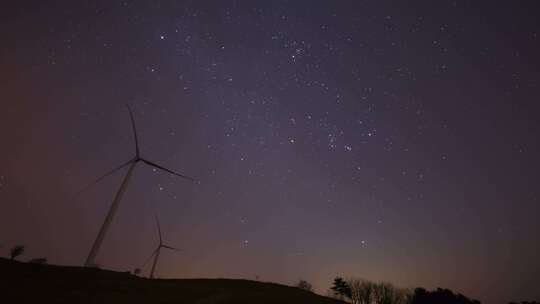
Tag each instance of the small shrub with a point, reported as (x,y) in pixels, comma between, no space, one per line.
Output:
(305,285)
(16,251)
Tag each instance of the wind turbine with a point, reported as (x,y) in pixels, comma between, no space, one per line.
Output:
(158,250)
(116,202)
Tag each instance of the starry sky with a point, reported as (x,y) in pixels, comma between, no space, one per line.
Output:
(380,139)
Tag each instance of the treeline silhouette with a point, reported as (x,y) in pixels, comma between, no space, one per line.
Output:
(359,291)
(440,296)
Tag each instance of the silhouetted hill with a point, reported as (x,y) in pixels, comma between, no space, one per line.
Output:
(31,283)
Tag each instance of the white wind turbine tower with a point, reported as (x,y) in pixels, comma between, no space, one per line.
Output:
(114,206)
(158,250)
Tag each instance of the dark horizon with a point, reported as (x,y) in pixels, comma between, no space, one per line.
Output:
(388,141)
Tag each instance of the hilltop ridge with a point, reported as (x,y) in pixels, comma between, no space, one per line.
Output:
(32,283)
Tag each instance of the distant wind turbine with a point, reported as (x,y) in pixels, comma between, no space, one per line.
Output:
(114,206)
(158,250)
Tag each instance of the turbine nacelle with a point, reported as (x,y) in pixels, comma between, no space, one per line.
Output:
(138,157)
(161,245)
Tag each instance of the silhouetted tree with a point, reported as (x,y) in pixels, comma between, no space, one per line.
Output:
(341,288)
(39,261)
(366,292)
(137,271)
(305,285)
(386,293)
(16,251)
(361,291)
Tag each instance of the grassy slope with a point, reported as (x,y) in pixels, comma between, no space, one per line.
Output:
(27,283)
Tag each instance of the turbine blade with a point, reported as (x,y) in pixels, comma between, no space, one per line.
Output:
(135,136)
(105,175)
(149,258)
(167,170)
(172,248)
(159,230)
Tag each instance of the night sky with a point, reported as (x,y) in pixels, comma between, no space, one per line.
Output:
(393,141)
